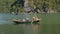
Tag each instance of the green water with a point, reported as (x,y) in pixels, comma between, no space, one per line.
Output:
(49,24)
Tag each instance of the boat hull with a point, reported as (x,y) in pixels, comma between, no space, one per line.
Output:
(33,22)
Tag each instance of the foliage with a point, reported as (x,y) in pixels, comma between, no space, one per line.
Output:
(5,4)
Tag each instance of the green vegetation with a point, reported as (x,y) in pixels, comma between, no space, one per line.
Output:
(52,4)
(5,5)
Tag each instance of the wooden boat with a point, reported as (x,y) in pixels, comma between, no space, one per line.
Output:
(26,22)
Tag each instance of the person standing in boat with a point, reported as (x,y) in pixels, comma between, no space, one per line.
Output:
(35,19)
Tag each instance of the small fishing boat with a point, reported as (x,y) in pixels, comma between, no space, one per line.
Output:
(26,22)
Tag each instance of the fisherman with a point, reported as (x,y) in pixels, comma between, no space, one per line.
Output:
(35,19)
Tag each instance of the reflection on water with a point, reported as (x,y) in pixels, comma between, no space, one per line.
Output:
(31,28)
(35,28)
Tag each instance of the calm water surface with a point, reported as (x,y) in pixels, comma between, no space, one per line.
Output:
(50,24)
(8,19)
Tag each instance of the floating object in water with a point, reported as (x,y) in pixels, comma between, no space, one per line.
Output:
(25,21)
